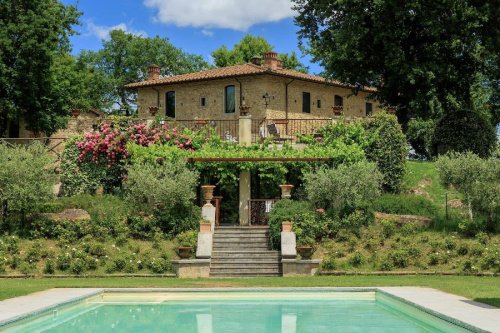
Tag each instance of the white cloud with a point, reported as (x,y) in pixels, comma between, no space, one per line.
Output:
(102,31)
(207,33)
(231,14)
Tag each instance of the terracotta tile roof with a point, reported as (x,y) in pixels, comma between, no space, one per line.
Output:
(237,71)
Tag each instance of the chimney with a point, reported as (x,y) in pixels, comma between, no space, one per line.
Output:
(271,61)
(153,72)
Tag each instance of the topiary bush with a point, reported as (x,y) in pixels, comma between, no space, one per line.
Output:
(387,147)
(464,130)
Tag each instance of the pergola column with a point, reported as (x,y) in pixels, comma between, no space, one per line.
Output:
(245,138)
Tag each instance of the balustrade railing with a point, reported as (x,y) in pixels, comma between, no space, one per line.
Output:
(259,211)
(286,129)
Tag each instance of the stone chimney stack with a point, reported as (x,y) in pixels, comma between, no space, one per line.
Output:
(153,72)
(271,61)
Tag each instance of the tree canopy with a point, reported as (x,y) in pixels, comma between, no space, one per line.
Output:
(33,36)
(125,57)
(422,55)
(249,47)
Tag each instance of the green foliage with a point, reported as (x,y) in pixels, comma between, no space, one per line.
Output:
(464,130)
(187,238)
(26,179)
(154,189)
(478,180)
(405,204)
(79,178)
(125,57)
(420,134)
(32,34)
(343,189)
(387,147)
(249,47)
(400,49)
(283,211)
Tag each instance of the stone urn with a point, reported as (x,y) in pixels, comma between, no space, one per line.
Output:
(305,251)
(208,193)
(286,191)
(184,252)
(244,110)
(337,110)
(153,110)
(286,226)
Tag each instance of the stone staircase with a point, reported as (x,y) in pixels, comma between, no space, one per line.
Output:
(243,251)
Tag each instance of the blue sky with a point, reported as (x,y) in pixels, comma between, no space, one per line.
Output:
(196,26)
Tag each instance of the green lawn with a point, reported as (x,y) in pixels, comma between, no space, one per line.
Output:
(482,289)
(424,175)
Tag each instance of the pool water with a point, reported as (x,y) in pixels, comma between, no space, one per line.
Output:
(232,312)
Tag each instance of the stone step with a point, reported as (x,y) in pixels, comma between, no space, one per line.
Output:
(241,243)
(240,234)
(246,271)
(231,260)
(255,254)
(226,266)
(229,275)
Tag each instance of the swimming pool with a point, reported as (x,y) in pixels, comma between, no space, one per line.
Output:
(236,311)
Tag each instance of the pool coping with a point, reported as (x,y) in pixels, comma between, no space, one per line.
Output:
(475,316)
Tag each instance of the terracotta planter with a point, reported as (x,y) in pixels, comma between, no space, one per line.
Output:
(286,191)
(201,121)
(244,111)
(75,113)
(205,227)
(153,110)
(305,251)
(184,252)
(286,226)
(208,192)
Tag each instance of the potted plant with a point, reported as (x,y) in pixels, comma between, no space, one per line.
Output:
(75,113)
(337,110)
(305,247)
(186,243)
(286,226)
(153,110)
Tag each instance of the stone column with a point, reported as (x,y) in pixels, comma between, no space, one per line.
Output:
(244,205)
(245,138)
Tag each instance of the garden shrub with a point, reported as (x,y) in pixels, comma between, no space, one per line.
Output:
(187,238)
(463,131)
(420,135)
(479,182)
(329,264)
(357,259)
(387,147)
(405,204)
(400,258)
(26,180)
(49,267)
(349,133)
(343,189)
(308,225)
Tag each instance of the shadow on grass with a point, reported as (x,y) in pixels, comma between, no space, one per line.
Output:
(490,301)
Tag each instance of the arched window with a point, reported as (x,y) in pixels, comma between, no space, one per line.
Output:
(229,99)
(338,101)
(170,104)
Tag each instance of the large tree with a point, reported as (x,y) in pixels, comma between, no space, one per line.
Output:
(125,57)
(249,47)
(33,34)
(422,55)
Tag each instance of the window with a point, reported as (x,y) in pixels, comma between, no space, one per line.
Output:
(369,109)
(338,101)
(203,101)
(318,104)
(230,101)
(170,104)
(306,102)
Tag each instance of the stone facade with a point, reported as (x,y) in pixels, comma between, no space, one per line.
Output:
(189,95)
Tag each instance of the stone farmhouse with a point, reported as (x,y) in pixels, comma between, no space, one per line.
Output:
(265,90)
